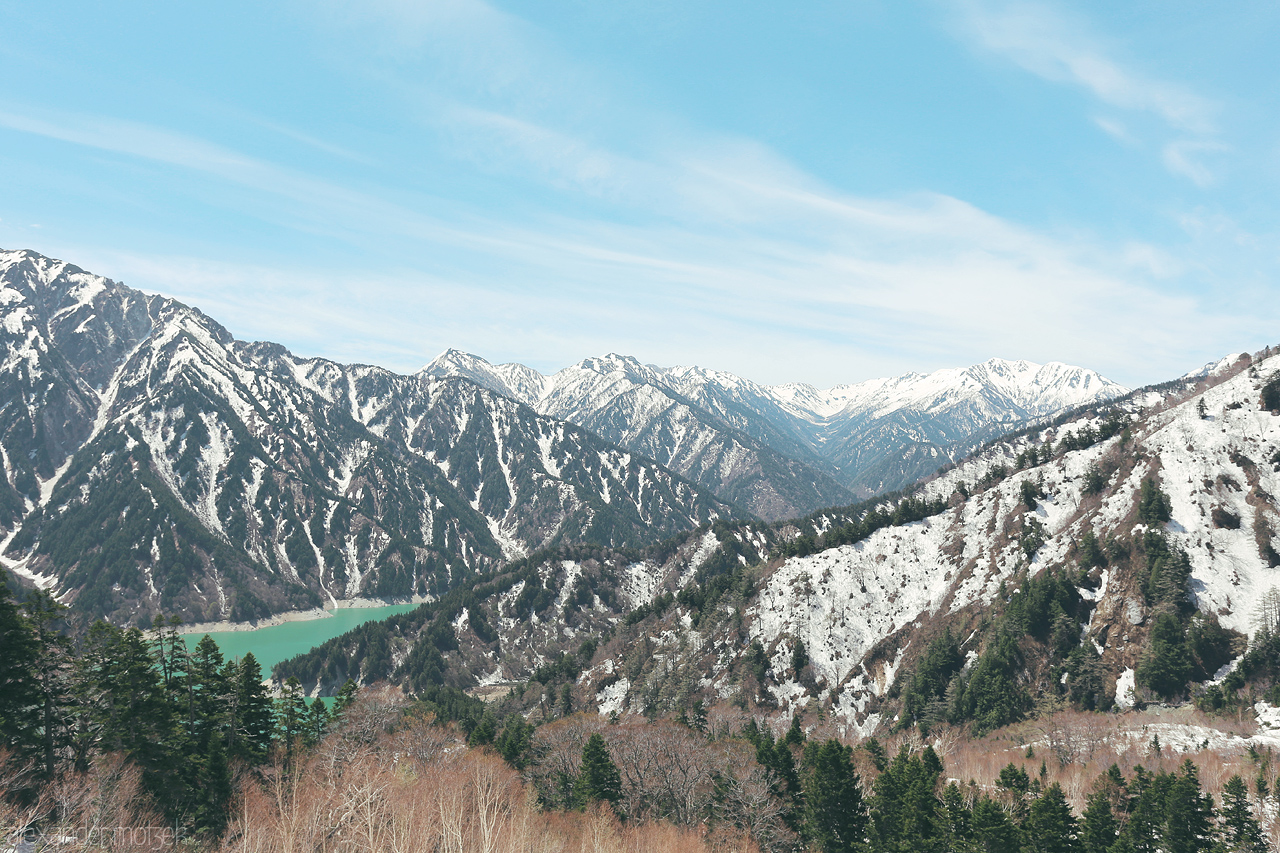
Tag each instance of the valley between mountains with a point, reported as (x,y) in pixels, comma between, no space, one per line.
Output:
(623,538)
(668,596)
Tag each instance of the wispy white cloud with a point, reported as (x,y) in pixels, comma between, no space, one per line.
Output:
(714,250)
(1186,157)
(1043,40)
(1115,130)
(745,248)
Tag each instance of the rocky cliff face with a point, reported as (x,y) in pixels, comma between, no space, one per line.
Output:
(152,463)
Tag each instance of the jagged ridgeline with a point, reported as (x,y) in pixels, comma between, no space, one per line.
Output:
(153,464)
(1116,556)
(783,451)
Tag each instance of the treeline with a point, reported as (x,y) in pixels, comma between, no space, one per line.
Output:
(822,795)
(365,653)
(187,720)
(227,765)
(908,509)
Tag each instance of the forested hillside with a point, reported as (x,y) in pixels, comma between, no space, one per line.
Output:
(125,741)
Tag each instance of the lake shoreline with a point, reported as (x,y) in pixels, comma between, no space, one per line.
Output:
(298,615)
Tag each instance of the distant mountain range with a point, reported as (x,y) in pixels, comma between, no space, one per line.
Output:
(153,463)
(785,450)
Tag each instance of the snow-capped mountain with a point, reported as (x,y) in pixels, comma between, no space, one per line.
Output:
(720,616)
(871,437)
(152,463)
(709,431)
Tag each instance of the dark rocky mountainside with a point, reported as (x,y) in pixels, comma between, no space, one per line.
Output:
(152,463)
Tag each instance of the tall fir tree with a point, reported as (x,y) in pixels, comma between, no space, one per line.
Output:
(317,722)
(1166,667)
(252,728)
(1188,813)
(904,810)
(992,829)
(122,698)
(1098,830)
(19,681)
(1241,832)
(835,816)
(598,778)
(53,675)
(346,695)
(958,820)
(1050,826)
(291,713)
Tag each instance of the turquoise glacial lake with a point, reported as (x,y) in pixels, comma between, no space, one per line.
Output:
(275,643)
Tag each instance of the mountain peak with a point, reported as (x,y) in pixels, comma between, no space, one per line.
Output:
(511,380)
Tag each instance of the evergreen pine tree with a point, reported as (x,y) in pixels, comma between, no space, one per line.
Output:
(124,709)
(1188,813)
(795,735)
(1090,551)
(835,816)
(784,767)
(598,779)
(253,727)
(485,730)
(53,667)
(206,693)
(958,835)
(291,712)
(1240,830)
(1051,827)
(1098,832)
(19,681)
(1153,504)
(879,759)
(1145,829)
(213,792)
(170,653)
(346,695)
(799,657)
(317,722)
(514,741)
(1167,664)
(904,810)
(992,829)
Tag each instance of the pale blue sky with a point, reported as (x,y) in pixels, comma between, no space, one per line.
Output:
(813,191)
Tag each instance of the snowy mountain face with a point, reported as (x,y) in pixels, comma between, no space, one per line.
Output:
(152,463)
(707,431)
(783,451)
(683,623)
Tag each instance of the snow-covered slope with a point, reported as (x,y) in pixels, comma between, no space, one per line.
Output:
(874,436)
(844,601)
(152,463)
(865,610)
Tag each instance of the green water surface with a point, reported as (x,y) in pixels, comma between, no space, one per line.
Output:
(275,643)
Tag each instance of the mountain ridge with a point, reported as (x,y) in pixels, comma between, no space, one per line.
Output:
(157,464)
(873,436)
